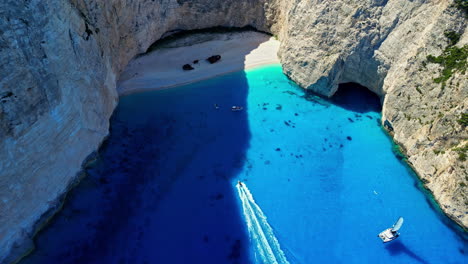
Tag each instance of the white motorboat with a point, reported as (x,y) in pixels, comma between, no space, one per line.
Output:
(391,233)
(236,108)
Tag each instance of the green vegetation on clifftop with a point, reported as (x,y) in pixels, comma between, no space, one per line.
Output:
(453,59)
(463,121)
(461,152)
(462,5)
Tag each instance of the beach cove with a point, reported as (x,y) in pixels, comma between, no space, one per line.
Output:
(316,172)
(161,68)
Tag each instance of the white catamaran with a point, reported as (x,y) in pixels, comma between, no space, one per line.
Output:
(391,233)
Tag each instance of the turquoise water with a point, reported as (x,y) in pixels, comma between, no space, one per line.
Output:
(320,181)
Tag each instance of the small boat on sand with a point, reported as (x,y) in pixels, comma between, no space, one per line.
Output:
(235,108)
(391,233)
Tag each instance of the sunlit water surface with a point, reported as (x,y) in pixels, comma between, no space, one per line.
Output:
(320,182)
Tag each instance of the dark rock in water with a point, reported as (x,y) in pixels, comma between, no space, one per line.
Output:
(286,123)
(277,149)
(214,59)
(341,145)
(296,114)
(379,122)
(187,67)
(290,92)
(279,107)
(350,120)
(235,250)
(315,99)
(195,62)
(397,152)
(103,180)
(349,138)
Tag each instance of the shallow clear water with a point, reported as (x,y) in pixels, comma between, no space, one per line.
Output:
(320,182)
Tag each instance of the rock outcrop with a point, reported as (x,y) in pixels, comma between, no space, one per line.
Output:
(384,46)
(60,61)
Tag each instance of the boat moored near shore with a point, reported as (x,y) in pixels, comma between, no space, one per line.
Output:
(235,108)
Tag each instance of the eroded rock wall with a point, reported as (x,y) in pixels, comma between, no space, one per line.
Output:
(60,61)
(384,45)
(57,92)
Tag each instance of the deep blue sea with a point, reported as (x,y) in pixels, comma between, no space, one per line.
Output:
(320,181)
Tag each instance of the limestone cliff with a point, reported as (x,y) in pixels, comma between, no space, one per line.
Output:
(384,46)
(61,58)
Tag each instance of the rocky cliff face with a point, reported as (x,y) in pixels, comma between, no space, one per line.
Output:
(384,46)
(61,60)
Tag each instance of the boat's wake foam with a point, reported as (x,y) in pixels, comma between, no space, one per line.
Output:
(267,248)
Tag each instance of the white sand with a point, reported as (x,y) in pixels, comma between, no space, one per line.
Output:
(162,68)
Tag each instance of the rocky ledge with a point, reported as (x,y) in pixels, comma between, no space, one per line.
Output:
(61,60)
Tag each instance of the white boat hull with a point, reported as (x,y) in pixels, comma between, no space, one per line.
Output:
(387,235)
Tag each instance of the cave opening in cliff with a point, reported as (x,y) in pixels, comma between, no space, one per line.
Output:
(357,98)
(172,35)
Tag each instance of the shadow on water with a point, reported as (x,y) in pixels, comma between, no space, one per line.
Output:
(161,189)
(397,248)
(356,98)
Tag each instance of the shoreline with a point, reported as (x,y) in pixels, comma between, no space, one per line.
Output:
(263,62)
(451,222)
(254,67)
(429,193)
(141,90)
(162,67)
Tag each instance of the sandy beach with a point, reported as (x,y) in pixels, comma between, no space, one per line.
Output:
(162,68)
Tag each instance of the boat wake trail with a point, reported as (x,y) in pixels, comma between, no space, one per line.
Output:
(267,248)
